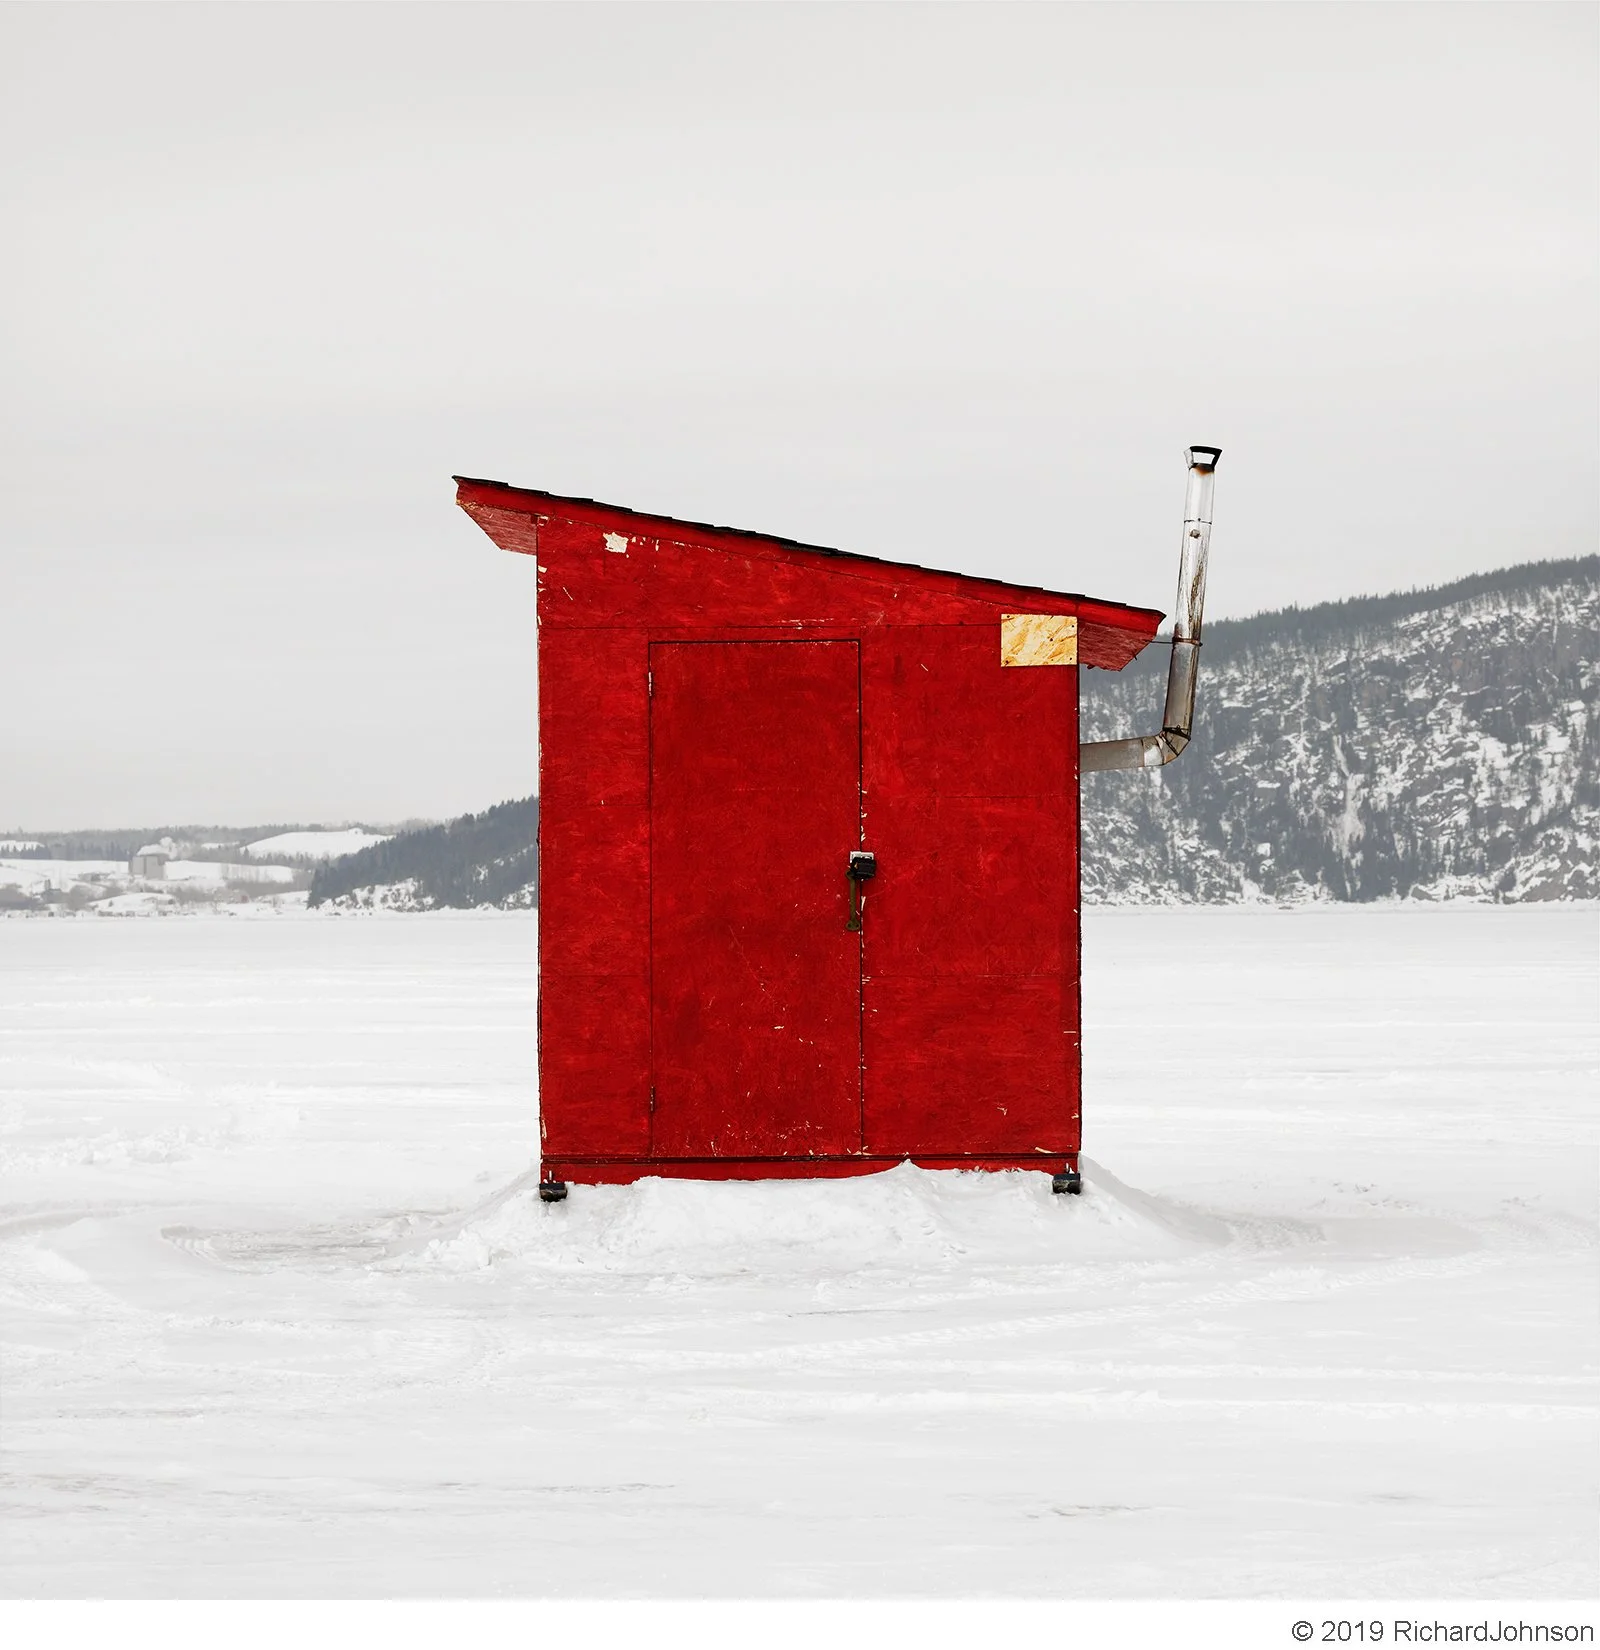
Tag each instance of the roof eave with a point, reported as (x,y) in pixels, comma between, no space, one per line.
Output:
(535,502)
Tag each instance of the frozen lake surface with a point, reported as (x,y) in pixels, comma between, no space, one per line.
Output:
(283,1316)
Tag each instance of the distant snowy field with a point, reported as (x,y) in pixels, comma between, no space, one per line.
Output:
(313,844)
(284,1318)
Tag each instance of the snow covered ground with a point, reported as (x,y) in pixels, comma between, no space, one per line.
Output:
(313,844)
(283,1317)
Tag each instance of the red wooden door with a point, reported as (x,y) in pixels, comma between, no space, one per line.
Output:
(755,806)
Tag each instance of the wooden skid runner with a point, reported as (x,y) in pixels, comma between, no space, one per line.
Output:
(612,1172)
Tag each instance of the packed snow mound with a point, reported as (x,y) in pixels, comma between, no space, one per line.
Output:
(905,1216)
(313,844)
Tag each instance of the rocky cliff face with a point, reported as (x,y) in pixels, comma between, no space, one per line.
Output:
(1437,744)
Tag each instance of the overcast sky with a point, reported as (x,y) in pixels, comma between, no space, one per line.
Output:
(942,284)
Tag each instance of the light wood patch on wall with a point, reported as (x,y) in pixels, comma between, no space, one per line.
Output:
(1038,639)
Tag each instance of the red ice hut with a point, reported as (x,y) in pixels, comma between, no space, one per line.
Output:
(808,846)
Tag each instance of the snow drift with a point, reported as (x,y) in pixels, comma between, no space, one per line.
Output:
(903,1216)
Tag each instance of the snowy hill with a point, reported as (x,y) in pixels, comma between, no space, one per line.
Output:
(487,859)
(1436,744)
(314,844)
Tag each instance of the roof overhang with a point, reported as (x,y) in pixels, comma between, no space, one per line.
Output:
(1110,634)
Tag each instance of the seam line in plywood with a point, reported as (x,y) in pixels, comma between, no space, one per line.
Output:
(861,952)
(650,890)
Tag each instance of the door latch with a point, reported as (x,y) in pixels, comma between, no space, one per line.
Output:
(862,868)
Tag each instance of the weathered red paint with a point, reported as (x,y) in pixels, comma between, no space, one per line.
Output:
(723,718)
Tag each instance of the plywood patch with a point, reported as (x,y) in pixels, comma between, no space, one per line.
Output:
(1038,639)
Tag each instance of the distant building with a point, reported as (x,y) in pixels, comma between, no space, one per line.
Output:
(150,861)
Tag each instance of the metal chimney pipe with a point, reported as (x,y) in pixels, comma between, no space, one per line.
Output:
(1154,750)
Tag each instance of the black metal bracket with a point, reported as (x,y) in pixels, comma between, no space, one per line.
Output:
(863,867)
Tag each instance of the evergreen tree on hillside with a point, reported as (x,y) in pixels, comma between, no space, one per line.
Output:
(490,858)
